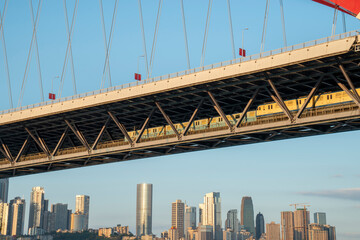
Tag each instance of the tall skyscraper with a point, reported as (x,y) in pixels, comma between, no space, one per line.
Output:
(4,189)
(4,216)
(320,218)
(16,217)
(82,206)
(61,215)
(212,213)
(301,222)
(232,221)
(201,213)
(36,213)
(247,214)
(272,231)
(260,225)
(287,226)
(190,217)
(177,217)
(144,209)
(78,222)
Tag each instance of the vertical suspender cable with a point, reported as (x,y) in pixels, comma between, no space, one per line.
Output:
(283,22)
(22,90)
(333,30)
(231,30)
(185,34)
(104,35)
(206,34)
(143,36)
(152,55)
(109,46)
(2,19)
(37,48)
(344,22)
(67,47)
(70,47)
(265,25)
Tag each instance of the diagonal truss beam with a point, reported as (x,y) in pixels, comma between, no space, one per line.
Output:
(144,126)
(309,97)
(219,110)
(348,79)
(168,120)
(348,92)
(247,107)
(121,127)
(100,134)
(38,140)
(5,151)
(278,99)
(60,142)
(22,150)
(193,116)
(78,134)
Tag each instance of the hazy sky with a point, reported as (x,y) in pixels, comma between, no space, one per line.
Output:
(322,170)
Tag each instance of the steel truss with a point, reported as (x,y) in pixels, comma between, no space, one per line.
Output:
(101,134)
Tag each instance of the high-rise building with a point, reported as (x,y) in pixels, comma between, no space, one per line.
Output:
(321,232)
(173,233)
(36,214)
(16,217)
(205,232)
(4,216)
(49,221)
(144,209)
(78,222)
(320,218)
(260,225)
(69,219)
(82,206)
(212,214)
(301,222)
(4,190)
(232,221)
(272,231)
(201,213)
(247,214)
(190,217)
(287,225)
(61,215)
(177,217)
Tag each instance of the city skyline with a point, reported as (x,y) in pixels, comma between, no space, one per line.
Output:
(321,170)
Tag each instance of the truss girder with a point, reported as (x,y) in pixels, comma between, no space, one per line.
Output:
(239,94)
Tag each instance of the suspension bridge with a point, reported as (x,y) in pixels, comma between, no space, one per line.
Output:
(165,115)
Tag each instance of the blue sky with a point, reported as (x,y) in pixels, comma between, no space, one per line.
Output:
(321,170)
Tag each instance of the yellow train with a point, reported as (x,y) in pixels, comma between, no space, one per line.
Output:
(267,109)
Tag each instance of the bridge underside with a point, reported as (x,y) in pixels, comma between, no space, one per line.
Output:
(96,135)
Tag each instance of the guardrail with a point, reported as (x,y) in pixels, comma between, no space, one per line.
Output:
(193,70)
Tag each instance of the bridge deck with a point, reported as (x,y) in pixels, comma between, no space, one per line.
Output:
(88,130)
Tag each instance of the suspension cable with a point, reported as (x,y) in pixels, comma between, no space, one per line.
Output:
(152,55)
(344,22)
(2,19)
(109,46)
(67,47)
(37,53)
(265,25)
(283,22)
(104,35)
(22,90)
(206,33)
(143,36)
(231,29)
(185,34)
(70,46)
(333,30)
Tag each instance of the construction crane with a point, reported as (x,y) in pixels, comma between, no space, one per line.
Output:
(300,204)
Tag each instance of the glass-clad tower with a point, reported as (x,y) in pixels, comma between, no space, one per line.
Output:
(144,209)
(247,214)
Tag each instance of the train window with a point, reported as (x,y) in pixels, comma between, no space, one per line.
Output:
(154,130)
(330,96)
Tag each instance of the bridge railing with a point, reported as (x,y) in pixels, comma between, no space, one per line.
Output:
(194,70)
